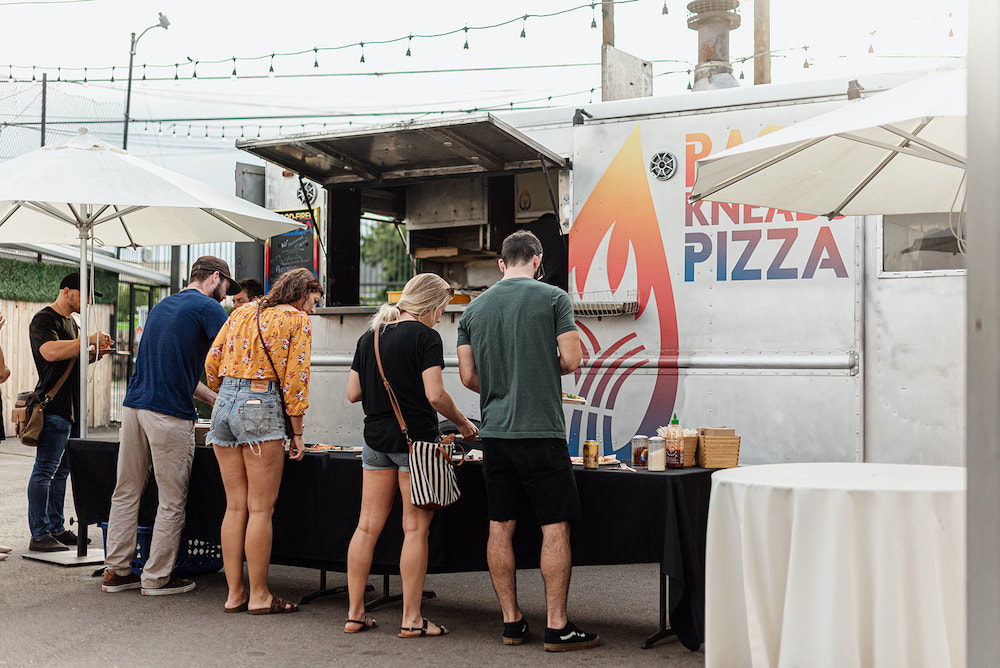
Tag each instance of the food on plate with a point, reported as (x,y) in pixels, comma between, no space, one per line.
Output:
(333,448)
(572,398)
(601,460)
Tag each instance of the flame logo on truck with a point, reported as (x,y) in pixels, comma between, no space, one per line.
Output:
(620,212)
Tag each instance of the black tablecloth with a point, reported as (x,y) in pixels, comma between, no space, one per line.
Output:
(628,517)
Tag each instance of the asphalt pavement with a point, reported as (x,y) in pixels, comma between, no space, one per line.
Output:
(58,616)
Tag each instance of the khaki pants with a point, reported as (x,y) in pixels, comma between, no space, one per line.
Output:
(167,443)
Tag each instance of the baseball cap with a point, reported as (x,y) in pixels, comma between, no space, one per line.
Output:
(72,281)
(211,264)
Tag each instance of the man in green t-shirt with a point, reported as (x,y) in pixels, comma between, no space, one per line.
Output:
(514,342)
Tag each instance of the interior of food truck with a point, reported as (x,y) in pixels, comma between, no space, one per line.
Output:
(460,187)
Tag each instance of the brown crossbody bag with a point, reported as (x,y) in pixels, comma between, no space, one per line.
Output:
(28,413)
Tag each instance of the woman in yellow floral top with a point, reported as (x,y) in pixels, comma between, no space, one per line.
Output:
(248,425)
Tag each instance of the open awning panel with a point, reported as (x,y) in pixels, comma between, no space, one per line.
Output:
(402,152)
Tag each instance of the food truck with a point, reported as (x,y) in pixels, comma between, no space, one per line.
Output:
(815,339)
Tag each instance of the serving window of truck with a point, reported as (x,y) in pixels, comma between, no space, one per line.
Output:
(458,185)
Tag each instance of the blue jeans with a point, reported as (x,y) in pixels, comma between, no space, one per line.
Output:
(47,484)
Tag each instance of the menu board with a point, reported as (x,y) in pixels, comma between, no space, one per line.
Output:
(292,250)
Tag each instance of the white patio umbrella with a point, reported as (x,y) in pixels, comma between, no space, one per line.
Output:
(897,152)
(87,189)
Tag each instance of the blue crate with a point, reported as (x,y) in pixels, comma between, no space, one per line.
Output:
(194,556)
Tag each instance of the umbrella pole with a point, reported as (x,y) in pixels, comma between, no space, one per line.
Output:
(84,298)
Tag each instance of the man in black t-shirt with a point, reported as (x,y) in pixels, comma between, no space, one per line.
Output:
(55,345)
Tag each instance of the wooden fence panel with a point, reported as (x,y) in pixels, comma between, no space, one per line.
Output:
(17,354)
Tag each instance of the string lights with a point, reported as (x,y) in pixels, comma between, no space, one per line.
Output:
(219,128)
(271,57)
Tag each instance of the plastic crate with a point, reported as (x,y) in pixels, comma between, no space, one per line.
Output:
(194,556)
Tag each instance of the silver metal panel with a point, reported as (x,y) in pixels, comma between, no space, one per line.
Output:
(779,418)
(915,377)
(383,154)
(447,203)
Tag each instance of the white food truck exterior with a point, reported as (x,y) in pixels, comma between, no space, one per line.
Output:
(790,328)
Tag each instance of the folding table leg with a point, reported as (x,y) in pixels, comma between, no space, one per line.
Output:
(324,591)
(386,598)
(665,631)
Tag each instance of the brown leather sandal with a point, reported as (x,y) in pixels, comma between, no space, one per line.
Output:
(278,606)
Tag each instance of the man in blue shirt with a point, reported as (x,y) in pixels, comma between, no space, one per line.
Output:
(158,427)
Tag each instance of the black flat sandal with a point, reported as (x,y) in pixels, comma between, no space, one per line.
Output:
(423,631)
(366,624)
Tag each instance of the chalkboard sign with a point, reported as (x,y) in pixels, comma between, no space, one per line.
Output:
(292,250)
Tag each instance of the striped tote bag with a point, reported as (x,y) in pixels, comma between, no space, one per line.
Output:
(433,483)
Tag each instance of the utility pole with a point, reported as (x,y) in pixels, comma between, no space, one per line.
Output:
(608,22)
(161,23)
(45,88)
(761,41)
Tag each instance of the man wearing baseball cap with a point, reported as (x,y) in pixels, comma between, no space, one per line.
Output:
(158,427)
(55,346)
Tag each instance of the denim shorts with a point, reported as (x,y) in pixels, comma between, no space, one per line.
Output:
(373,460)
(241,416)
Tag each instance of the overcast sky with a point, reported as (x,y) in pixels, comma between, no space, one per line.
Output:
(555,64)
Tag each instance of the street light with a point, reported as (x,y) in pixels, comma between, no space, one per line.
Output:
(163,23)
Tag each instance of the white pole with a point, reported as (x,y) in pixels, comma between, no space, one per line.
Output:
(982,450)
(84,297)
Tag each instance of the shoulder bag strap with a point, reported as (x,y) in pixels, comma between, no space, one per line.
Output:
(281,394)
(51,394)
(392,395)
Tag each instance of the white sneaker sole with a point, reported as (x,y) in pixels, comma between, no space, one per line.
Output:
(111,589)
(164,591)
(572,646)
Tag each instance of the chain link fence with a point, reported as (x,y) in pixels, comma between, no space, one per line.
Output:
(65,111)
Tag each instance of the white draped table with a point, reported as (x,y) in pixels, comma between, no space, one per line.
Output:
(836,565)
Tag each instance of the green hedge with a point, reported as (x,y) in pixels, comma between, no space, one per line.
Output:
(38,282)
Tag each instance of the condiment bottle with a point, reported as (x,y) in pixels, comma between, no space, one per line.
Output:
(675,445)
(657,453)
(639,445)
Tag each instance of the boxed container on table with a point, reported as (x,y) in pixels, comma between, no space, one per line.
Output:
(718,448)
(690,448)
(194,556)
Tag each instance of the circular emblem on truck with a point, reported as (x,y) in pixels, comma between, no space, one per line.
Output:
(663,166)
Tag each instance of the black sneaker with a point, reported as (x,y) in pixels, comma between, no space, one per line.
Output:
(46,544)
(67,537)
(514,633)
(173,586)
(114,582)
(569,638)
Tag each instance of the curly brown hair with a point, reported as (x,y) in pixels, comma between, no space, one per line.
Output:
(291,287)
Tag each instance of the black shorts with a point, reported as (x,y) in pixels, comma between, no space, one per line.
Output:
(536,468)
